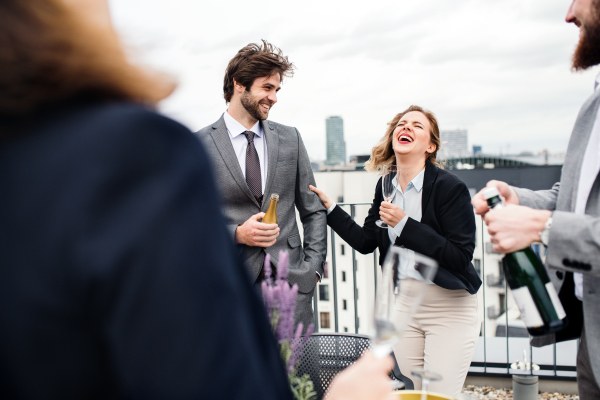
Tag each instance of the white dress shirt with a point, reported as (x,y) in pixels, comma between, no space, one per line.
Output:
(240,144)
(590,167)
(410,201)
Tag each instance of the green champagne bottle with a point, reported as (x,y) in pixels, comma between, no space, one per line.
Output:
(534,293)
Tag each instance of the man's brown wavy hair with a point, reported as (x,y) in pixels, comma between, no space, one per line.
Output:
(51,51)
(255,61)
(383,153)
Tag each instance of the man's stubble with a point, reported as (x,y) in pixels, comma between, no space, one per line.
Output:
(587,53)
(252,105)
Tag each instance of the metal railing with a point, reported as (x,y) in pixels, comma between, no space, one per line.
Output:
(495,352)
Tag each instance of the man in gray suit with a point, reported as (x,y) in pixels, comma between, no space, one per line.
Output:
(566,218)
(254,158)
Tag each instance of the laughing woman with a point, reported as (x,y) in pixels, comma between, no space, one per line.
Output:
(431,214)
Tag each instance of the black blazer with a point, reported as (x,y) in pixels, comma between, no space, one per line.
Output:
(118,278)
(446,232)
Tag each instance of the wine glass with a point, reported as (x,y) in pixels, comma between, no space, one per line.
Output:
(405,278)
(388,187)
(426,376)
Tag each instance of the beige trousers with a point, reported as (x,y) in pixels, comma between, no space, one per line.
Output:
(440,338)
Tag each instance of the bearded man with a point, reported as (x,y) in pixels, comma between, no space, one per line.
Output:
(566,218)
(254,158)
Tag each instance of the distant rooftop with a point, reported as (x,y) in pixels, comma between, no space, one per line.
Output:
(496,161)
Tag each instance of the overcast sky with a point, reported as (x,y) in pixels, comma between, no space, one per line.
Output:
(499,69)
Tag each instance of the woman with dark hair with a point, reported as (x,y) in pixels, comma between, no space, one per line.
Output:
(118,278)
(430,214)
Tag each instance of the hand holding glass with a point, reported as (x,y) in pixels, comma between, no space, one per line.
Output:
(388,187)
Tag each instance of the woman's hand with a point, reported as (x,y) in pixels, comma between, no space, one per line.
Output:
(327,202)
(390,213)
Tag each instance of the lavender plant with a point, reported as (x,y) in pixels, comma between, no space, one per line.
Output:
(280,300)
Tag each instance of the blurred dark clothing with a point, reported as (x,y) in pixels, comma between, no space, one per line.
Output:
(118,278)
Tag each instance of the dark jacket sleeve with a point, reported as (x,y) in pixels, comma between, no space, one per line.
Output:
(175,310)
(453,248)
(362,239)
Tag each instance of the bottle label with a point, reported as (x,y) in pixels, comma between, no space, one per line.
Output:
(560,311)
(529,313)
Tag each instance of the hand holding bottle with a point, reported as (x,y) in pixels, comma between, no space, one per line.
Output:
(257,234)
(510,196)
(534,293)
(514,227)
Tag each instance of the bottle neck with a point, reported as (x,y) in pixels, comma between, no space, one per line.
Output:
(495,203)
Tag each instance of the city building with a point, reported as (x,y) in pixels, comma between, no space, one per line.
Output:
(336,146)
(454,144)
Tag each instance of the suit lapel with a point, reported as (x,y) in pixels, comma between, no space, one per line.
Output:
(577,147)
(223,143)
(428,180)
(272,138)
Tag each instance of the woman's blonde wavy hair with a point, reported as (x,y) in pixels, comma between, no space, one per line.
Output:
(383,153)
(52,51)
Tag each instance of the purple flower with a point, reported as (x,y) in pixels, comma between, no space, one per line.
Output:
(282,266)
(267,267)
(296,348)
(280,301)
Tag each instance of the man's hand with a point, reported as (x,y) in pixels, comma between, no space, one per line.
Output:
(367,379)
(509,194)
(514,227)
(257,234)
(390,213)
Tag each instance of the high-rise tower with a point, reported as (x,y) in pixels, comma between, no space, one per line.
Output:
(336,146)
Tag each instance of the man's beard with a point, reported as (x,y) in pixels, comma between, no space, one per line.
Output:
(253,106)
(587,53)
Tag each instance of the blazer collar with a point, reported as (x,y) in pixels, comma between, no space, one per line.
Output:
(431,172)
(272,138)
(223,143)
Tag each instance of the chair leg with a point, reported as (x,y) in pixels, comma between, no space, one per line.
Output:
(408,383)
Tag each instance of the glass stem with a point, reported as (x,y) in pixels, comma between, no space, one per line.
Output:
(424,388)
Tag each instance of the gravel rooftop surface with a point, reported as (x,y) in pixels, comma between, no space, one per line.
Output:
(488,393)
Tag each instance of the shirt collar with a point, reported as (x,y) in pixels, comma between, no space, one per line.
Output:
(236,129)
(417,181)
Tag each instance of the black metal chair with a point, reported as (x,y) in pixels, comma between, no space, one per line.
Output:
(327,354)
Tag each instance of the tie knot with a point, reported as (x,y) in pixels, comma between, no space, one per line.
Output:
(249,136)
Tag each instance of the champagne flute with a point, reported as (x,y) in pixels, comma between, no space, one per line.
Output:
(426,376)
(406,276)
(388,187)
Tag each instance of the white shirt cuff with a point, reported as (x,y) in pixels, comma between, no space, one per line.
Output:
(331,208)
(319,275)
(397,230)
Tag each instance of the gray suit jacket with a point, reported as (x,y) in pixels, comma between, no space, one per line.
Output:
(289,174)
(574,243)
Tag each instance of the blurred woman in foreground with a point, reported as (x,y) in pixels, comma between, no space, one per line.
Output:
(430,214)
(117,276)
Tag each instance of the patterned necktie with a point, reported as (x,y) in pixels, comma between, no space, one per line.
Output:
(253,178)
